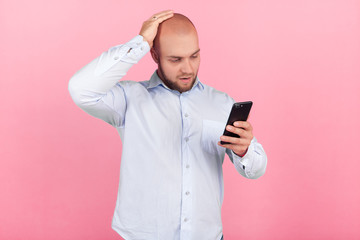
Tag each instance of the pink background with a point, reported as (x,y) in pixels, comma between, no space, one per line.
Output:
(297,60)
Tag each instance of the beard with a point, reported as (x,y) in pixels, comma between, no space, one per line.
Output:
(175,84)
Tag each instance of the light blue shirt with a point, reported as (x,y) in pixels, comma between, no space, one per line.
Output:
(171,178)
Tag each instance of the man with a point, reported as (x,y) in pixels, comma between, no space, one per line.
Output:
(171,182)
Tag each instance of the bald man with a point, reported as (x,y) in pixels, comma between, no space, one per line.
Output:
(171,178)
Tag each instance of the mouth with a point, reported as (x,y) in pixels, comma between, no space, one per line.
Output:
(185,79)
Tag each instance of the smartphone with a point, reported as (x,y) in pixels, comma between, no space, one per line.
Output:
(239,112)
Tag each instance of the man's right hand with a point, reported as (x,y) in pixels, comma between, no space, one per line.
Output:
(150,27)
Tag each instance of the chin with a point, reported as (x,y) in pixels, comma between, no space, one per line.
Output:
(185,88)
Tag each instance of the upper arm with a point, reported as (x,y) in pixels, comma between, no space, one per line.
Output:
(109,106)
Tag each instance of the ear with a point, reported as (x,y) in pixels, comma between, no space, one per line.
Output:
(154,55)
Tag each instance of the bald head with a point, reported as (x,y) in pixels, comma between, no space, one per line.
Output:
(176,52)
(177,26)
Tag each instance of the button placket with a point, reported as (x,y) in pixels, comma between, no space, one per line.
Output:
(186,203)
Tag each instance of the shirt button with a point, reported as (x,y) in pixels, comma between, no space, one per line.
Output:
(187,193)
(185,220)
(187,166)
(186,139)
(116,58)
(186,115)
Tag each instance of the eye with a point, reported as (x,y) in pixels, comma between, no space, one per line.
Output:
(175,60)
(194,56)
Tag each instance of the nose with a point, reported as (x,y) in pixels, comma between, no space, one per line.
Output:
(186,67)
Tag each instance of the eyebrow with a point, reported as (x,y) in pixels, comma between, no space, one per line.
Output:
(181,57)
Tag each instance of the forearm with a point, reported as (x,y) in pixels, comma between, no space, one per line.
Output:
(104,72)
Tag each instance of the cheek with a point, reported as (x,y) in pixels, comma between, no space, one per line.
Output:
(196,65)
(196,62)
(170,70)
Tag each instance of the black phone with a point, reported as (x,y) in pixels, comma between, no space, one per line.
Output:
(239,112)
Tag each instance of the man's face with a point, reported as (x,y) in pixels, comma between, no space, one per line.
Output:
(178,61)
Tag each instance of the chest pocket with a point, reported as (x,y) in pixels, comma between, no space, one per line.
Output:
(210,136)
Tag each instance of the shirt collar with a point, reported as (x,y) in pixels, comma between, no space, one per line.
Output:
(156,81)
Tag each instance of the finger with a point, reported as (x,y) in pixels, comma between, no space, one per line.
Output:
(236,141)
(164,17)
(243,124)
(161,14)
(231,140)
(238,131)
(244,134)
(234,148)
(230,146)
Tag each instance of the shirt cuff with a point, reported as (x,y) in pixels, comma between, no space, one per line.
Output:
(244,161)
(130,52)
(136,49)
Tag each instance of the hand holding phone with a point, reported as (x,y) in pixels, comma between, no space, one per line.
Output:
(239,112)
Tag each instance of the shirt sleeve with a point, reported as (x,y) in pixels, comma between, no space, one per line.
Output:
(253,164)
(95,88)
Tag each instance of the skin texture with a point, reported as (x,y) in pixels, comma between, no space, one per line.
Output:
(175,48)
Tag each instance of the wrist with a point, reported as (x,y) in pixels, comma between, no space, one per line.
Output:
(145,40)
(242,154)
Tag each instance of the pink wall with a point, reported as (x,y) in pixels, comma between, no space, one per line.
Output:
(297,60)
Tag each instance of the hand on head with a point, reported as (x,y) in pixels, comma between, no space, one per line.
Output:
(150,27)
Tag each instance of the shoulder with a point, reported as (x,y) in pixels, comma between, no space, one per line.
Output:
(129,85)
(216,95)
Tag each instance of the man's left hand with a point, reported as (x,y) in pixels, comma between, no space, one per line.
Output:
(238,145)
